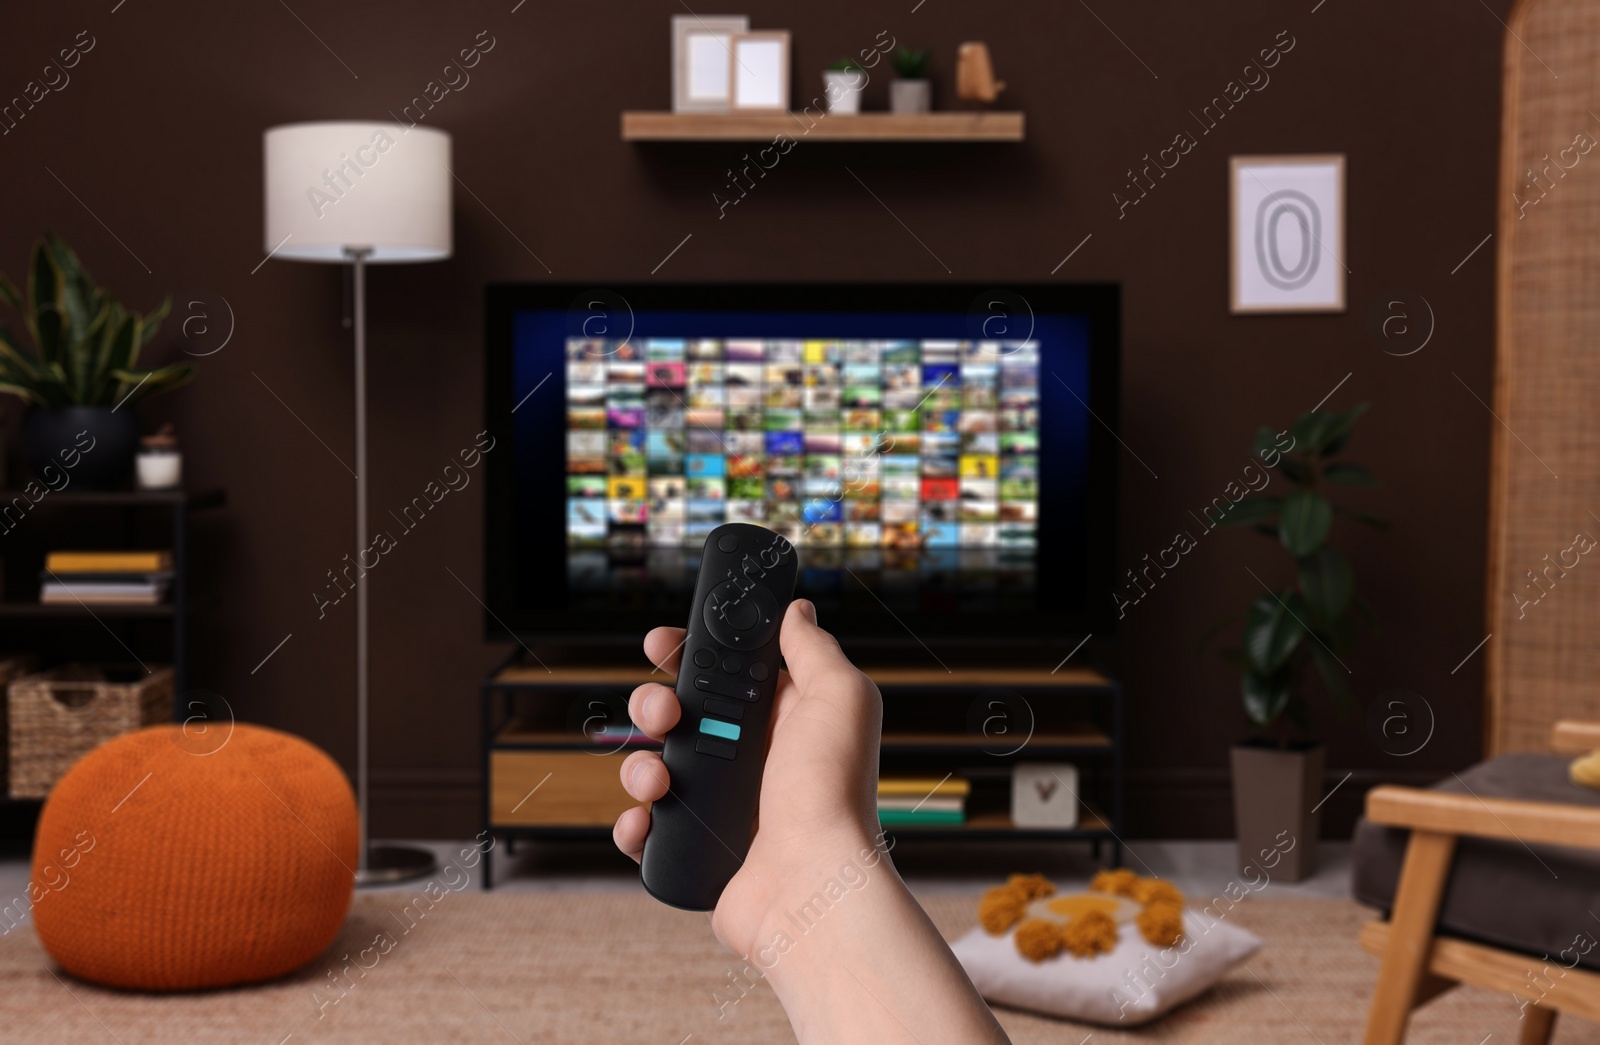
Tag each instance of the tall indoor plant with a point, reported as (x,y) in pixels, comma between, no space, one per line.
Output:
(80,375)
(1312,623)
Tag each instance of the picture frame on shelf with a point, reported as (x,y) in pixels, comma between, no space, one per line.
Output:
(700,60)
(758,71)
(1287,231)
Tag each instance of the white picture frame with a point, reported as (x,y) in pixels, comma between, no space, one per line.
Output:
(700,60)
(758,71)
(1286,219)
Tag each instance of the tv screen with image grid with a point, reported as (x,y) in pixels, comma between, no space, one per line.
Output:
(941,455)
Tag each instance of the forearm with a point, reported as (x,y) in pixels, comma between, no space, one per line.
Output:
(856,959)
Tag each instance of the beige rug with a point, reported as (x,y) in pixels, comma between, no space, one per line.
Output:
(618,967)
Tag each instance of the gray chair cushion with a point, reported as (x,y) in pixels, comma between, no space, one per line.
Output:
(1539,900)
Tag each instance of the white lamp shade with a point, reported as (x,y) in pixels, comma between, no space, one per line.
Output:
(335,185)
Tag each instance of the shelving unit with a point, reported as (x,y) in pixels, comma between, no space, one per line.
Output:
(533,717)
(859,127)
(32,627)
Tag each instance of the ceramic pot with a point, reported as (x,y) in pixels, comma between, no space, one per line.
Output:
(910,96)
(843,91)
(92,446)
(1275,790)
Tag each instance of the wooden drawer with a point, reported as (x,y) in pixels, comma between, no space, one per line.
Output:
(578,789)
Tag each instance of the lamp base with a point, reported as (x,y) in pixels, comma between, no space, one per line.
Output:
(394,863)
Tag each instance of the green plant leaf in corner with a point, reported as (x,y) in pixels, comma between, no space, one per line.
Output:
(1272,630)
(1265,696)
(1328,584)
(1304,524)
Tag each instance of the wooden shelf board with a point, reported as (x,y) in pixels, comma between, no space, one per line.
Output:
(192,499)
(1066,677)
(861,127)
(73,609)
(1079,735)
(520,734)
(1089,822)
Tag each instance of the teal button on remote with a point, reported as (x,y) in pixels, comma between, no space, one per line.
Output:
(718,728)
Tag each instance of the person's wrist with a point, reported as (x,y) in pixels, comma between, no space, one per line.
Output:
(806,893)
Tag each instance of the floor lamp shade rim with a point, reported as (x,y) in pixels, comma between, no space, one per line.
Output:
(336,185)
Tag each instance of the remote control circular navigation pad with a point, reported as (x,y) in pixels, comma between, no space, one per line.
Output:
(741,618)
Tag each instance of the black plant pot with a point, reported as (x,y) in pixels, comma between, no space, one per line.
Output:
(88,447)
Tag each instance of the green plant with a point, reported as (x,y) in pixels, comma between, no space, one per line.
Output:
(1312,622)
(912,65)
(846,65)
(86,345)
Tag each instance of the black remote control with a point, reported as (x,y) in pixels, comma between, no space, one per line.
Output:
(701,829)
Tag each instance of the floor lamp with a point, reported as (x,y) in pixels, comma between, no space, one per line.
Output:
(360,193)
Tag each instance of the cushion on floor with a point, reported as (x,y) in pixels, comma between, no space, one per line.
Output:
(1130,984)
(1534,899)
(173,860)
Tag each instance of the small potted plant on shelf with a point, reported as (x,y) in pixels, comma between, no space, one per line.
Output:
(81,375)
(912,92)
(843,82)
(1277,776)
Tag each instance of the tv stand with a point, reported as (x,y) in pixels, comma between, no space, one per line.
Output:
(553,736)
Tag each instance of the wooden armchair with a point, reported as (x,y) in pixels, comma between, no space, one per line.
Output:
(1419,964)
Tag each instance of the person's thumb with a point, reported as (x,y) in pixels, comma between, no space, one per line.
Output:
(812,655)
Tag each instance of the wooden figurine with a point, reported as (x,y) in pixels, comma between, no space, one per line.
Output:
(975,80)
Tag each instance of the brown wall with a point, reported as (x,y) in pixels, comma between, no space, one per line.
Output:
(158,134)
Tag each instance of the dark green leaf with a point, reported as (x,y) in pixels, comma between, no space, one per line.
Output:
(1337,433)
(1328,584)
(1294,469)
(1264,696)
(1298,712)
(1348,475)
(1249,510)
(8,292)
(1272,630)
(1268,444)
(1307,431)
(1303,525)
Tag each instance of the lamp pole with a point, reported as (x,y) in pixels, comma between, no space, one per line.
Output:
(358,258)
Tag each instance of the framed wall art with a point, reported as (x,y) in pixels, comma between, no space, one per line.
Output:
(1287,229)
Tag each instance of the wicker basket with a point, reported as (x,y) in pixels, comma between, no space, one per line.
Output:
(58,716)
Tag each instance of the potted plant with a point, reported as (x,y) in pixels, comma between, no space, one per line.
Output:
(1277,775)
(911,92)
(80,375)
(843,81)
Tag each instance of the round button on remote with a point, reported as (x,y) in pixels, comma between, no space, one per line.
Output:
(741,618)
(733,664)
(758,672)
(728,543)
(704,658)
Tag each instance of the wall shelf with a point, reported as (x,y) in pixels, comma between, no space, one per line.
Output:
(862,127)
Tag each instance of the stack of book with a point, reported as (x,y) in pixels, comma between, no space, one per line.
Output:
(106,578)
(922,801)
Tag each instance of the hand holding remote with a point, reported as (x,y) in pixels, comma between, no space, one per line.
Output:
(819,788)
(874,967)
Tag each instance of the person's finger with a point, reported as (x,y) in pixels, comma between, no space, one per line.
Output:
(664,647)
(630,830)
(645,776)
(654,709)
(813,656)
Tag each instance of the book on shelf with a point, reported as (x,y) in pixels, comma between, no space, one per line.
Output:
(129,593)
(63,562)
(920,818)
(924,786)
(910,804)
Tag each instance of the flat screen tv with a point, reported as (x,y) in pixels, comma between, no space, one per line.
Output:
(943,456)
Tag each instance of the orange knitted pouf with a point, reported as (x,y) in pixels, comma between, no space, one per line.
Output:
(174,861)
